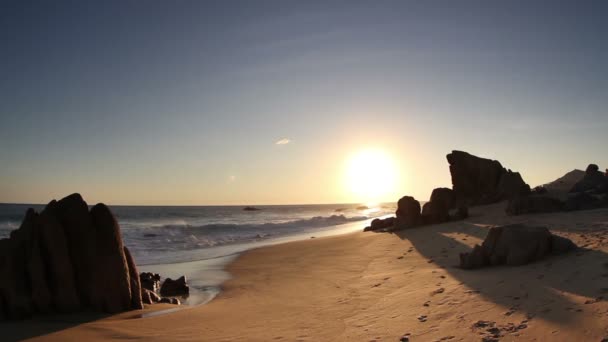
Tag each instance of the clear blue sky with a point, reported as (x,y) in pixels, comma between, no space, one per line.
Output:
(182,102)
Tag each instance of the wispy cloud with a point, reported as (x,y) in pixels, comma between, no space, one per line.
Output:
(283,141)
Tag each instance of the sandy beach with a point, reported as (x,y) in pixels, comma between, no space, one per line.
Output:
(381,286)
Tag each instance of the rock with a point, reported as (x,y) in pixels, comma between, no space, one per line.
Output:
(61,280)
(539,190)
(113,290)
(533,204)
(178,287)
(482,181)
(171,300)
(36,269)
(408,213)
(251,209)
(149,297)
(150,281)
(594,180)
(72,212)
(136,301)
(381,224)
(515,245)
(16,301)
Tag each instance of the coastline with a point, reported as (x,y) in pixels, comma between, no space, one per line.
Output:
(376,286)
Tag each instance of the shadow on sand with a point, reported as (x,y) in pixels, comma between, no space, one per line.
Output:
(543,289)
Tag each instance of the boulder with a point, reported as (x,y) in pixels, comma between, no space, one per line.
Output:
(136,301)
(478,180)
(460,214)
(515,245)
(408,213)
(533,204)
(150,281)
(112,277)
(178,287)
(381,224)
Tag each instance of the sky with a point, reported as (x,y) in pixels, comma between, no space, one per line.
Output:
(265,102)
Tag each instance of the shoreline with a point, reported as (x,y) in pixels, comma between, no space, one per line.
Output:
(379,286)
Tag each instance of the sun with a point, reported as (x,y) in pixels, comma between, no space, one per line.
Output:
(370,175)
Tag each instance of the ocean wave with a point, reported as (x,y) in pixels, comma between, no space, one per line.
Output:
(187,237)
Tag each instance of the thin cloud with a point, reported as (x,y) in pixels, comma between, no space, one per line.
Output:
(283,141)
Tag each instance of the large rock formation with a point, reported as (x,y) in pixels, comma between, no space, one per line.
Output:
(67,259)
(482,181)
(515,245)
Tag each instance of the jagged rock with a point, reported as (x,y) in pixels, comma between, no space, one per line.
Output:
(482,181)
(408,213)
(539,190)
(113,288)
(533,204)
(515,245)
(178,287)
(594,180)
(381,224)
(136,301)
(150,281)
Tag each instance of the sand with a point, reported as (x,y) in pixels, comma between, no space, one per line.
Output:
(379,287)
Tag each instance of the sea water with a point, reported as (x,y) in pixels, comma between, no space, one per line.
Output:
(199,241)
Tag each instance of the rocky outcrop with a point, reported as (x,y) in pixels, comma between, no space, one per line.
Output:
(67,259)
(515,245)
(437,210)
(408,213)
(150,281)
(381,224)
(478,180)
(173,288)
(593,181)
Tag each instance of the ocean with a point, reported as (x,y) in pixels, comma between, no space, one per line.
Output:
(198,241)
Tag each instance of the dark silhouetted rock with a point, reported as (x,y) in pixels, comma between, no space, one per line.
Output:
(515,245)
(482,181)
(381,224)
(533,204)
(61,279)
(136,302)
(539,190)
(149,297)
(178,287)
(150,281)
(594,180)
(113,288)
(72,213)
(251,209)
(408,213)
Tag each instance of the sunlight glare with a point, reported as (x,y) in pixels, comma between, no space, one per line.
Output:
(370,175)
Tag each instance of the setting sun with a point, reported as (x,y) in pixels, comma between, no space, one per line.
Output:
(370,175)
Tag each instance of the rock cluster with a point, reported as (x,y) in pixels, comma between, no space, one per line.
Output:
(381,224)
(590,192)
(65,259)
(515,245)
(68,259)
(478,180)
